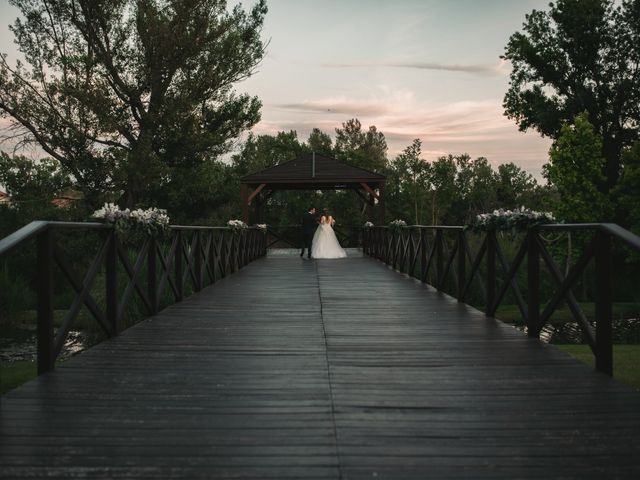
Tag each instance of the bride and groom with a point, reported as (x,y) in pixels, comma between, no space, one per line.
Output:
(319,238)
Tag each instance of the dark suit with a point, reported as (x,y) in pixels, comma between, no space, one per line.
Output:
(309,225)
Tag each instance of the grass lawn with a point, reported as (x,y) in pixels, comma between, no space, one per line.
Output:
(13,374)
(626,361)
(511,314)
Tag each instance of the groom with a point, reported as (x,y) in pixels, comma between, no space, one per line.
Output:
(309,225)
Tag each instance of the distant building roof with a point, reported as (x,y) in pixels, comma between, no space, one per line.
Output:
(4,197)
(67,197)
(310,170)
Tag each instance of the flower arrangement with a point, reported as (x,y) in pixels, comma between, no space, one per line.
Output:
(237,226)
(514,220)
(110,213)
(133,224)
(397,224)
(368,225)
(262,227)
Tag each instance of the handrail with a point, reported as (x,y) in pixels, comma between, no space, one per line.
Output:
(188,257)
(11,241)
(422,251)
(632,240)
(613,229)
(34,228)
(202,227)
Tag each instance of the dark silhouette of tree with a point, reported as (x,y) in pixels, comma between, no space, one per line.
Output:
(581,55)
(320,142)
(122,92)
(364,149)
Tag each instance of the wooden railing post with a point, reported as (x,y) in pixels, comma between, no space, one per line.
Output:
(604,313)
(197,262)
(365,242)
(233,251)
(491,274)
(243,248)
(439,259)
(152,277)
(45,301)
(533,285)
(395,241)
(408,253)
(462,263)
(388,246)
(423,255)
(178,266)
(111,264)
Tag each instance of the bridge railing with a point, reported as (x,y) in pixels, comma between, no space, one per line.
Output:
(444,257)
(186,260)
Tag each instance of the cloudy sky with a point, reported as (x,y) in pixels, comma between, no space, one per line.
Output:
(427,69)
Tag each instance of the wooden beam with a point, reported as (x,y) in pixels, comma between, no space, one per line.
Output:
(361,195)
(255,192)
(370,190)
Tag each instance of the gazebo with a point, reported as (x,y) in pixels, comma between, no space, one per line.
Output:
(312,172)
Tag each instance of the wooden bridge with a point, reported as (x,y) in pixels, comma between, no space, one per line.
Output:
(327,369)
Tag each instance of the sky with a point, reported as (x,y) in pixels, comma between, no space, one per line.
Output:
(427,69)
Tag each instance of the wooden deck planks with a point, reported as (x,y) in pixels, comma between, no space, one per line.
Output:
(322,369)
(424,387)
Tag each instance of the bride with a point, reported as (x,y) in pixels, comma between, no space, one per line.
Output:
(325,244)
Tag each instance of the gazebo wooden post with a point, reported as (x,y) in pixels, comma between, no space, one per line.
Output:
(259,209)
(370,205)
(244,199)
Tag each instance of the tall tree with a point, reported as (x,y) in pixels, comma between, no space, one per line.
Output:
(320,142)
(121,92)
(575,168)
(581,55)
(32,185)
(515,186)
(411,178)
(26,179)
(627,193)
(364,149)
(475,188)
(443,188)
(263,151)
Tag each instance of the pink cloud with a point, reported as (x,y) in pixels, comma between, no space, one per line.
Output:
(475,127)
(476,69)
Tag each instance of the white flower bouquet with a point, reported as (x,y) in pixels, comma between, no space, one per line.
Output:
(514,220)
(131,224)
(397,224)
(237,226)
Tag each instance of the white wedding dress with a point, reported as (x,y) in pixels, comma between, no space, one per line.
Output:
(325,243)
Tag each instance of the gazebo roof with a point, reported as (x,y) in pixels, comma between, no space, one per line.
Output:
(305,171)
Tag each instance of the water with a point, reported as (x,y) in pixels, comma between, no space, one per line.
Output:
(625,331)
(21,344)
